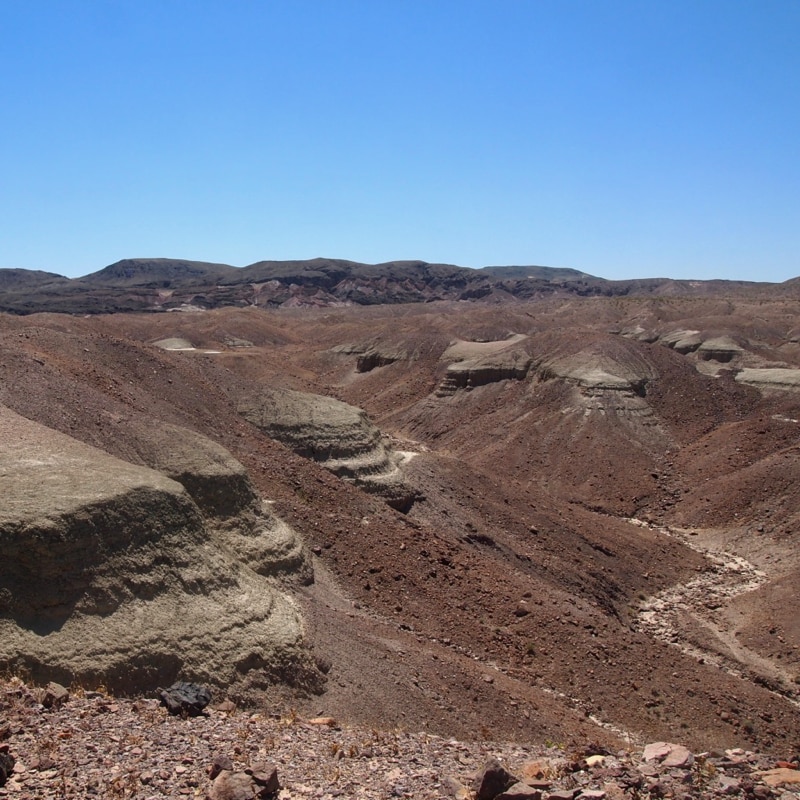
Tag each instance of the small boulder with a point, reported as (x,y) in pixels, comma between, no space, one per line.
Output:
(727,784)
(679,756)
(330,722)
(522,609)
(185,698)
(492,780)
(595,760)
(456,789)
(266,779)
(220,763)
(6,764)
(656,751)
(233,786)
(780,776)
(54,695)
(257,783)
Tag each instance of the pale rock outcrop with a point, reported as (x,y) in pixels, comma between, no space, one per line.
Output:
(480,363)
(472,373)
(371,356)
(216,481)
(110,575)
(607,382)
(719,348)
(338,436)
(222,489)
(597,370)
(682,341)
(174,343)
(775,379)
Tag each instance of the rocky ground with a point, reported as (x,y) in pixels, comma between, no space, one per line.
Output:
(514,600)
(90,744)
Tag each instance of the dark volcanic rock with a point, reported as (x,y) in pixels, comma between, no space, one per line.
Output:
(185,698)
(6,765)
(493,779)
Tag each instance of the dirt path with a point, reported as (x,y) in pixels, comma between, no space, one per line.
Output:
(691,615)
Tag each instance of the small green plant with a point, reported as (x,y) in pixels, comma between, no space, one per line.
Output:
(553,745)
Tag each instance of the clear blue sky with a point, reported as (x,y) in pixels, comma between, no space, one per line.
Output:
(621,138)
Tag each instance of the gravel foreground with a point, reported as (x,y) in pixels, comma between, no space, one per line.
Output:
(89,744)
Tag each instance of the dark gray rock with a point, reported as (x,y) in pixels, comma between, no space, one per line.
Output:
(6,764)
(492,780)
(185,698)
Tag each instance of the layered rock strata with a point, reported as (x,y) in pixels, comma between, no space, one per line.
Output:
(369,356)
(771,378)
(223,491)
(476,372)
(481,363)
(720,348)
(111,575)
(338,436)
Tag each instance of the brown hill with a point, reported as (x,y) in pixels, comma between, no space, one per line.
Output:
(604,543)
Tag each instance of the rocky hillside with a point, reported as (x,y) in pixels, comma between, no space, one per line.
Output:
(602,543)
(94,744)
(114,575)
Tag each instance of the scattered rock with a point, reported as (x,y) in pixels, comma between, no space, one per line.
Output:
(727,784)
(266,778)
(780,776)
(670,755)
(522,609)
(224,757)
(679,756)
(595,761)
(656,751)
(456,789)
(538,769)
(329,721)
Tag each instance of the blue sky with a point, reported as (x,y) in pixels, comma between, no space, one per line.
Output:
(621,138)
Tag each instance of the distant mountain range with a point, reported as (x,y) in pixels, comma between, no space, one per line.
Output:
(163,284)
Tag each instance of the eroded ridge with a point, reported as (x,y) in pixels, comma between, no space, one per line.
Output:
(112,575)
(337,435)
